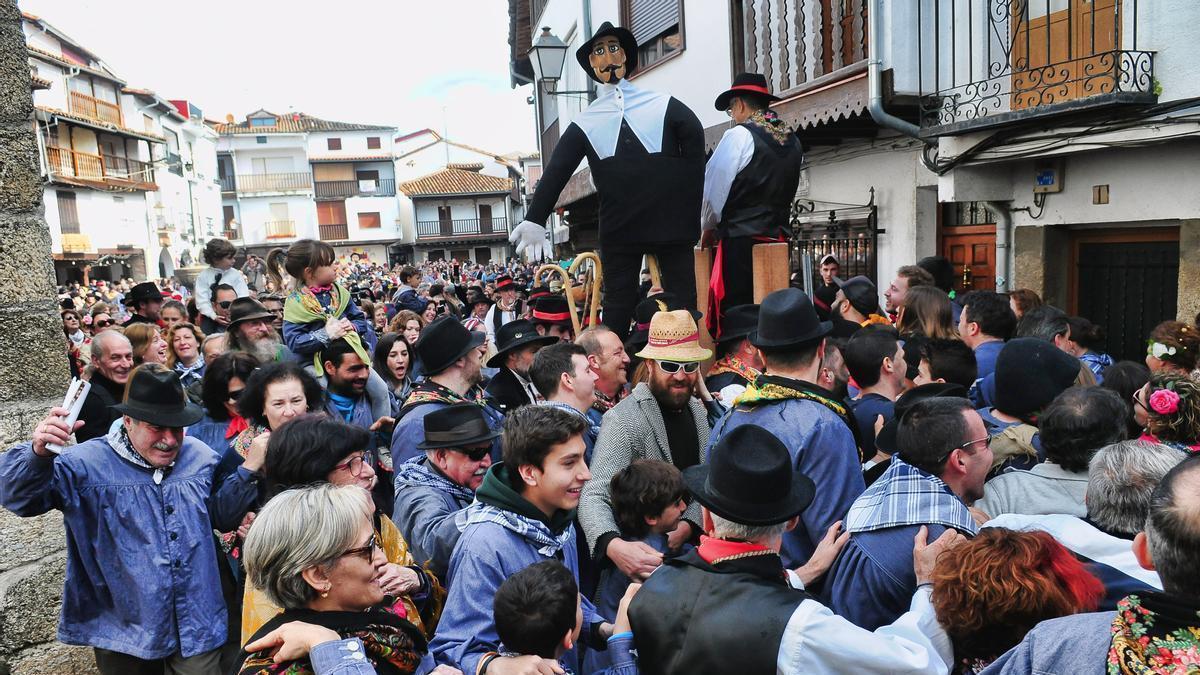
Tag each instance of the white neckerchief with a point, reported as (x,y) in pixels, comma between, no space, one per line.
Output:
(644,112)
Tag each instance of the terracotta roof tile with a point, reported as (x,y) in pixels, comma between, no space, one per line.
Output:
(452,181)
(295,123)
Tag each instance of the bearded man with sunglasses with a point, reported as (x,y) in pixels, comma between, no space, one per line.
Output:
(661,419)
(938,473)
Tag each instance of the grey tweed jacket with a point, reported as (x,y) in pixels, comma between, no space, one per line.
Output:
(633,429)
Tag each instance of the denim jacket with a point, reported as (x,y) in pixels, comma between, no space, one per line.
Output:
(142,564)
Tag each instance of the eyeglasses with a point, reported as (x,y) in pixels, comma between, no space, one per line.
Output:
(672,367)
(368,550)
(354,464)
(224,304)
(1137,400)
(235,394)
(985,439)
(102,324)
(474,454)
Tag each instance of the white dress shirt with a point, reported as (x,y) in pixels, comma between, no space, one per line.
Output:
(733,153)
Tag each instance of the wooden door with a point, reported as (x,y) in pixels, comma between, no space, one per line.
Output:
(971,249)
(445,221)
(483,255)
(1063,50)
(485,218)
(1127,282)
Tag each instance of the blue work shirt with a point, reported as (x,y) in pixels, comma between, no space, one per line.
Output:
(142,572)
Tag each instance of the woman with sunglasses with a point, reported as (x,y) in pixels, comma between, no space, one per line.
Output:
(313,449)
(1168,408)
(314,552)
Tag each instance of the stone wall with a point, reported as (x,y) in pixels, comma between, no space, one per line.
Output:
(33,376)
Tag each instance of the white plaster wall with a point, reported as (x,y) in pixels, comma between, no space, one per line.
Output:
(434,158)
(256,211)
(353,143)
(388,209)
(107,222)
(466,208)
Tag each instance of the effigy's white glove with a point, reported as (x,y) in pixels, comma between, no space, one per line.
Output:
(530,241)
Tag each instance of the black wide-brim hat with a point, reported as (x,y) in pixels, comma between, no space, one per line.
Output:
(787,318)
(514,335)
(445,341)
(551,310)
(157,397)
(885,440)
(749,479)
(627,43)
(457,425)
(746,84)
(738,322)
(144,291)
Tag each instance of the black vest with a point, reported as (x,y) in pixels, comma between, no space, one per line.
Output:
(760,198)
(691,617)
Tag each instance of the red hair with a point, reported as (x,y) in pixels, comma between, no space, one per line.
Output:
(989,592)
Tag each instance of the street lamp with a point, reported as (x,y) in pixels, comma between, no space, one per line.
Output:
(547,56)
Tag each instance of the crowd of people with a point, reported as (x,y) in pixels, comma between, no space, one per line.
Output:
(303,466)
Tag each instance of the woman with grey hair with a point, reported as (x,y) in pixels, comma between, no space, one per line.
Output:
(313,551)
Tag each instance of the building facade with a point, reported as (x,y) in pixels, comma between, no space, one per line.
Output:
(293,176)
(1037,145)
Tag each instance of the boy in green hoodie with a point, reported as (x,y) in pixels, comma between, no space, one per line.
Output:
(523,514)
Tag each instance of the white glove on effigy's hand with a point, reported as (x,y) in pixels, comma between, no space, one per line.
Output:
(530,240)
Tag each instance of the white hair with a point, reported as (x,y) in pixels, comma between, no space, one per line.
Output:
(724,528)
(300,529)
(1121,478)
(100,340)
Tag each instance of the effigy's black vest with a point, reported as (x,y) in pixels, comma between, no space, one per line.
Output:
(760,198)
(692,617)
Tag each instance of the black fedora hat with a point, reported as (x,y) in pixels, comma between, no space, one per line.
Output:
(445,341)
(738,322)
(477,297)
(551,310)
(787,318)
(157,397)
(247,309)
(504,282)
(142,292)
(749,479)
(885,440)
(746,84)
(514,335)
(457,425)
(627,43)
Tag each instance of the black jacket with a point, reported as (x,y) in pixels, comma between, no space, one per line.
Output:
(97,413)
(645,199)
(505,393)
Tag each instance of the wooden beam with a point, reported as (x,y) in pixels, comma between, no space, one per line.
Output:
(771,268)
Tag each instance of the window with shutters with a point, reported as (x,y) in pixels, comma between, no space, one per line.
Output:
(334,143)
(373,143)
(68,215)
(657,25)
(369,220)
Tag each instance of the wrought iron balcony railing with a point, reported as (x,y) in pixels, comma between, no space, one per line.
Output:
(333,231)
(462,228)
(337,189)
(988,62)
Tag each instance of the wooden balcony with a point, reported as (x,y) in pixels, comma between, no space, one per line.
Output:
(73,165)
(333,231)
(232,234)
(340,189)
(94,108)
(274,182)
(281,229)
(467,228)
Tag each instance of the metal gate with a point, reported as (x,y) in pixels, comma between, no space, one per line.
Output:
(847,231)
(1127,288)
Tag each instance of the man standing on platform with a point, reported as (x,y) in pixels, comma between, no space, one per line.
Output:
(749,185)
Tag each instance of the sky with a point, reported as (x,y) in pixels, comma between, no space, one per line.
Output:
(404,63)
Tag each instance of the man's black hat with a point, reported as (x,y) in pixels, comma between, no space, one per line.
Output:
(458,425)
(1030,373)
(861,293)
(514,335)
(749,479)
(445,341)
(886,439)
(746,84)
(247,309)
(477,297)
(143,292)
(627,43)
(504,282)
(157,397)
(738,322)
(551,310)
(787,319)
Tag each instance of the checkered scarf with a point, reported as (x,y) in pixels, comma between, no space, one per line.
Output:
(906,495)
(534,531)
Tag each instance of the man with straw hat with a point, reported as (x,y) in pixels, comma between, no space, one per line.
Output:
(660,419)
